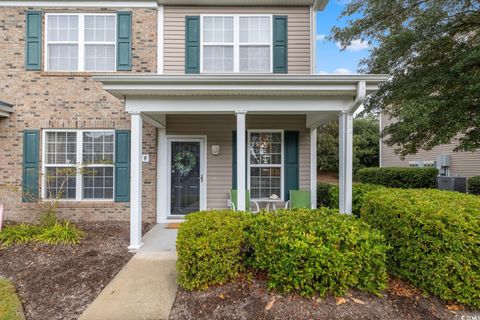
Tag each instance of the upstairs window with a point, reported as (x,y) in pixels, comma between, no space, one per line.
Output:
(80,42)
(237,43)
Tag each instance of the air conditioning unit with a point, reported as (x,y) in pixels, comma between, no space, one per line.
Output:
(443,164)
(458,184)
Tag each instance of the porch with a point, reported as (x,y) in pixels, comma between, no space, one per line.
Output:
(212,120)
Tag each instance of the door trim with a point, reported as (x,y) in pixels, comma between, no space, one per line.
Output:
(203,170)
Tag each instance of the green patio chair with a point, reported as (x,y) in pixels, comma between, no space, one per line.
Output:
(299,199)
(234,202)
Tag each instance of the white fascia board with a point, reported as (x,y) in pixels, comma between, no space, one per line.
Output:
(229,105)
(80,4)
(4,114)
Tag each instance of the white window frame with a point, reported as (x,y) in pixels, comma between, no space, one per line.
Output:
(236,41)
(81,41)
(79,176)
(249,165)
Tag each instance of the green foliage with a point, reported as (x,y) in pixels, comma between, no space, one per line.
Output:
(474,185)
(434,238)
(209,247)
(10,305)
(365,144)
(431,50)
(399,177)
(18,234)
(60,233)
(57,233)
(359,190)
(323,194)
(317,252)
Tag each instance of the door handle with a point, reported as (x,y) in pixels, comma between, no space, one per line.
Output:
(201,178)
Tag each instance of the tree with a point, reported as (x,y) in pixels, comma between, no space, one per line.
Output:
(431,49)
(366,135)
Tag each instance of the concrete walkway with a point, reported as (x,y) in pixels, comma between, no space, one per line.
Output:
(146,286)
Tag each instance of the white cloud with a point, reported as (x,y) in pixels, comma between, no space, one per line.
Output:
(356,45)
(321,37)
(336,71)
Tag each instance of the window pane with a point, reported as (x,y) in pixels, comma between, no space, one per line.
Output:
(61,147)
(98,183)
(98,147)
(255,30)
(99,28)
(62,57)
(254,58)
(265,182)
(61,183)
(62,28)
(100,57)
(218,29)
(218,59)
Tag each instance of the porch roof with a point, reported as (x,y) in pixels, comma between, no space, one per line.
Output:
(238,85)
(5,109)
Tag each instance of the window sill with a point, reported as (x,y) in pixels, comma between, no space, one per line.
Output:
(88,204)
(74,73)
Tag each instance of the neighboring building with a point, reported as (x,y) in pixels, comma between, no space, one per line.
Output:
(462,164)
(169,104)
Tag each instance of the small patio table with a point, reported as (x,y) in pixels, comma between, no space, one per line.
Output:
(268,202)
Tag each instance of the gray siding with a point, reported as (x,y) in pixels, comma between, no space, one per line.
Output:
(218,129)
(298,34)
(466,164)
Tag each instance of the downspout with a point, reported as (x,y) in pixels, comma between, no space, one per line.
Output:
(360,97)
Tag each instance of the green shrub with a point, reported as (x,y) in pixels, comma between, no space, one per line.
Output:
(358,192)
(60,233)
(317,252)
(435,239)
(18,234)
(210,248)
(404,178)
(323,194)
(474,185)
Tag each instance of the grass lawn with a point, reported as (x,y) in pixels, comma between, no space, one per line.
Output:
(10,305)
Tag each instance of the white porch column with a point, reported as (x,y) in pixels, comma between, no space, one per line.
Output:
(162,175)
(136,182)
(241,183)
(345,155)
(313,167)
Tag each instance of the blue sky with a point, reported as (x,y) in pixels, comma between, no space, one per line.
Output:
(330,59)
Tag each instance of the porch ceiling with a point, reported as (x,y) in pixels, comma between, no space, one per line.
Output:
(239,85)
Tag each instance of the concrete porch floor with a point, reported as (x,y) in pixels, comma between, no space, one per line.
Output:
(146,286)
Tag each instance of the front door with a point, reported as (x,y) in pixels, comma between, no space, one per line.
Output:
(186,176)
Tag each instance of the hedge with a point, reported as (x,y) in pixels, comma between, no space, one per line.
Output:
(323,194)
(405,178)
(359,190)
(317,252)
(209,247)
(309,251)
(474,185)
(434,238)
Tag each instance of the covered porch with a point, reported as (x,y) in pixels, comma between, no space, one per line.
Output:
(216,122)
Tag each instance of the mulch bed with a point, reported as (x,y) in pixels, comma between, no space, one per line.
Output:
(251,300)
(58,282)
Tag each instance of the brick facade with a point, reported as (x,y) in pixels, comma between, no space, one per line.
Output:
(66,100)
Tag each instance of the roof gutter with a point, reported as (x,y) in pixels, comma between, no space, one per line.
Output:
(360,96)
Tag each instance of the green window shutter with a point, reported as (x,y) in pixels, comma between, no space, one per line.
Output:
(33,40)
(30,166)
(280,48)
(234,160)
(122,165)
(192,44)
(124,41)
(291,174)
